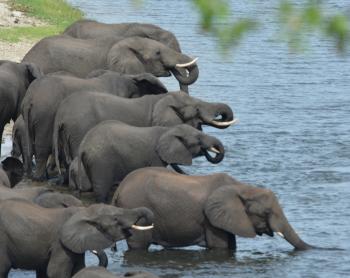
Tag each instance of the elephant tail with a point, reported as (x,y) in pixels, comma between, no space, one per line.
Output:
(55,141)
(28,137)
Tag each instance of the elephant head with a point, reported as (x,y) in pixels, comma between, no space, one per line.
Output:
(183,142)
(138,55)
(178,107)
(249,211)
(14,169)
(99,226)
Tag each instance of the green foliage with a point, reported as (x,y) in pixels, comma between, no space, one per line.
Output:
(57,13)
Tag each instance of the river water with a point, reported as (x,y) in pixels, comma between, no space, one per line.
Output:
(293,137)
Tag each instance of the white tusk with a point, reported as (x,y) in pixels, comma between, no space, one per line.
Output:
(187,64)
(280,234)
(94,252)
(142,228)
(214,150)
(234,121)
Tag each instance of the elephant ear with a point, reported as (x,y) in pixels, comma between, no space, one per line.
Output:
(149,84)
(225,210)
(172,150)
(121,58)
(33,71)
(82,232)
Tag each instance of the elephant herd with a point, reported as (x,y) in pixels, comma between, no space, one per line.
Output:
(88,108)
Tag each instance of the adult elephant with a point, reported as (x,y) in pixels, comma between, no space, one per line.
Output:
(11,171)
(112,149)
(132,55)
(100,272)
(53,241)
(41,196)
(202,210)
(14,81)
(161,110)
(91,29)
(43,97)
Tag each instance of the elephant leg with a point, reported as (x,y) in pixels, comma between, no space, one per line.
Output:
(101,178)
(140,240)
(5,265)
(60,264)
(41,273)
(216,238)
(1,132)
(41,157)
(79,264)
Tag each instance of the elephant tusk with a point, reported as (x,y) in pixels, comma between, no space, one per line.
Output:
(214,150)
(217,123)
(280,234)
(187,64)
(142,228)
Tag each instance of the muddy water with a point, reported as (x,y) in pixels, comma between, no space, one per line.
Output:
(293,137)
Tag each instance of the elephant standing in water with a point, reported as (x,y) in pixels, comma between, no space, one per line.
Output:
(112,149)
(161,110)
(43,97)
(53,241)
(14,81)
(202,210)
(132,55)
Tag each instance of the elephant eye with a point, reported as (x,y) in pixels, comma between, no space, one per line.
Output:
(158,52)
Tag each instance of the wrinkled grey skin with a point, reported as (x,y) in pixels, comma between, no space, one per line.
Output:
(202,210)
(80,183)
(11,171)
(18,138)
(41,196)
(14,81)
(112,149)
(64,234)
(91,29)
(100,272)
(43,97)
(131,55)
(161,110)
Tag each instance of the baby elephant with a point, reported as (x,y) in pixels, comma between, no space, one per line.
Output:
(100,272)
(112,149)
(202,210)
(11,171)
(53,241)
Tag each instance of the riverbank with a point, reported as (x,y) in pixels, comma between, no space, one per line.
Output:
(24,22)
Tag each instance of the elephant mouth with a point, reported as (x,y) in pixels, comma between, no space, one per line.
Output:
(218,154)
(220,121)
(163,74)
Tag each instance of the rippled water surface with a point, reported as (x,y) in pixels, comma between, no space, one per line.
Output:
(293,137)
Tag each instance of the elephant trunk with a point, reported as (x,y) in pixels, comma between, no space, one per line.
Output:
(144,216)
(281,226)
(222,116)
(186,73)
(102,258)
(219,151)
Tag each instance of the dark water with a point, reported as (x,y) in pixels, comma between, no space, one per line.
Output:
(293,137)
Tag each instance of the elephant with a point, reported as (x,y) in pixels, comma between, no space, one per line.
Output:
(91,29)
(100,272)
(208,211)
(11,171)
(131,55)
(41,196)
(112,149)
(43,97)
(14,81)
(53,241)
(79,182)
(153,110)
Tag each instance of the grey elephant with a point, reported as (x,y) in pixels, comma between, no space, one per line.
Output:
(154,110)
(53,241)
(41,196)
(112,149)
(202,210)
(132,55)
(43,97)
(78,180)
(91,29)
(100,272)
(11,171)
(14,81)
